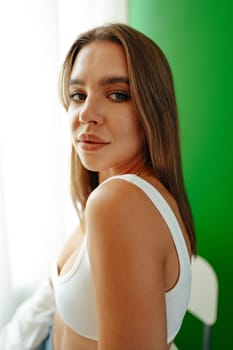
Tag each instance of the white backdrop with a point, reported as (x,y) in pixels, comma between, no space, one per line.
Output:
(35,211)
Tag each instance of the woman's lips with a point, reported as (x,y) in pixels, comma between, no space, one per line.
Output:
(91,145)
(90,142)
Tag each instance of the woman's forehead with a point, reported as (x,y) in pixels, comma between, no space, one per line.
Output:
(100,57)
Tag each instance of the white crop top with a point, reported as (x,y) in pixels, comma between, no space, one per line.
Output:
(74,292)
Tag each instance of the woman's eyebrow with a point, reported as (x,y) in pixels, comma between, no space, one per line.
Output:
(76,82)
(103,81)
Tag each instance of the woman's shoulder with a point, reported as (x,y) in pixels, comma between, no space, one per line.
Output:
(130,189)
(121,207)
(116,192)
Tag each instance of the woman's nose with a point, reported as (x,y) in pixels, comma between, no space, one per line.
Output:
(91,112)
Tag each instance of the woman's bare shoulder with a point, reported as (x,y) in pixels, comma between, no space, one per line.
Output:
(116,192)
(121,207)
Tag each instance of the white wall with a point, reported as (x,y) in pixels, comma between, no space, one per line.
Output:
(35,212)
(30,134)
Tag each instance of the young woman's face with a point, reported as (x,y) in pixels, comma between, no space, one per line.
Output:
(105,130)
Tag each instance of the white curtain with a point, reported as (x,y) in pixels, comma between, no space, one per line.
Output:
(35,211)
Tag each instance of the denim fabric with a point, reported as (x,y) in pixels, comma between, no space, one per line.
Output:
(47,343)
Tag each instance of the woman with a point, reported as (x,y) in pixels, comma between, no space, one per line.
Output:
(122,280)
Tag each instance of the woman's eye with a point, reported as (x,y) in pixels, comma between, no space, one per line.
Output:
(119,96)
(77,96)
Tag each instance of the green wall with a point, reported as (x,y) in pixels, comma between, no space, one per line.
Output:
(197,38)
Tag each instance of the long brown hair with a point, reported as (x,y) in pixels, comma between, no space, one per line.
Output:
(152,92)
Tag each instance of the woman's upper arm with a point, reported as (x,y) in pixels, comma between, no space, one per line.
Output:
(127,263)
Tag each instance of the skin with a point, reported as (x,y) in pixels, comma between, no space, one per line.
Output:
(133,262)
(101,100)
